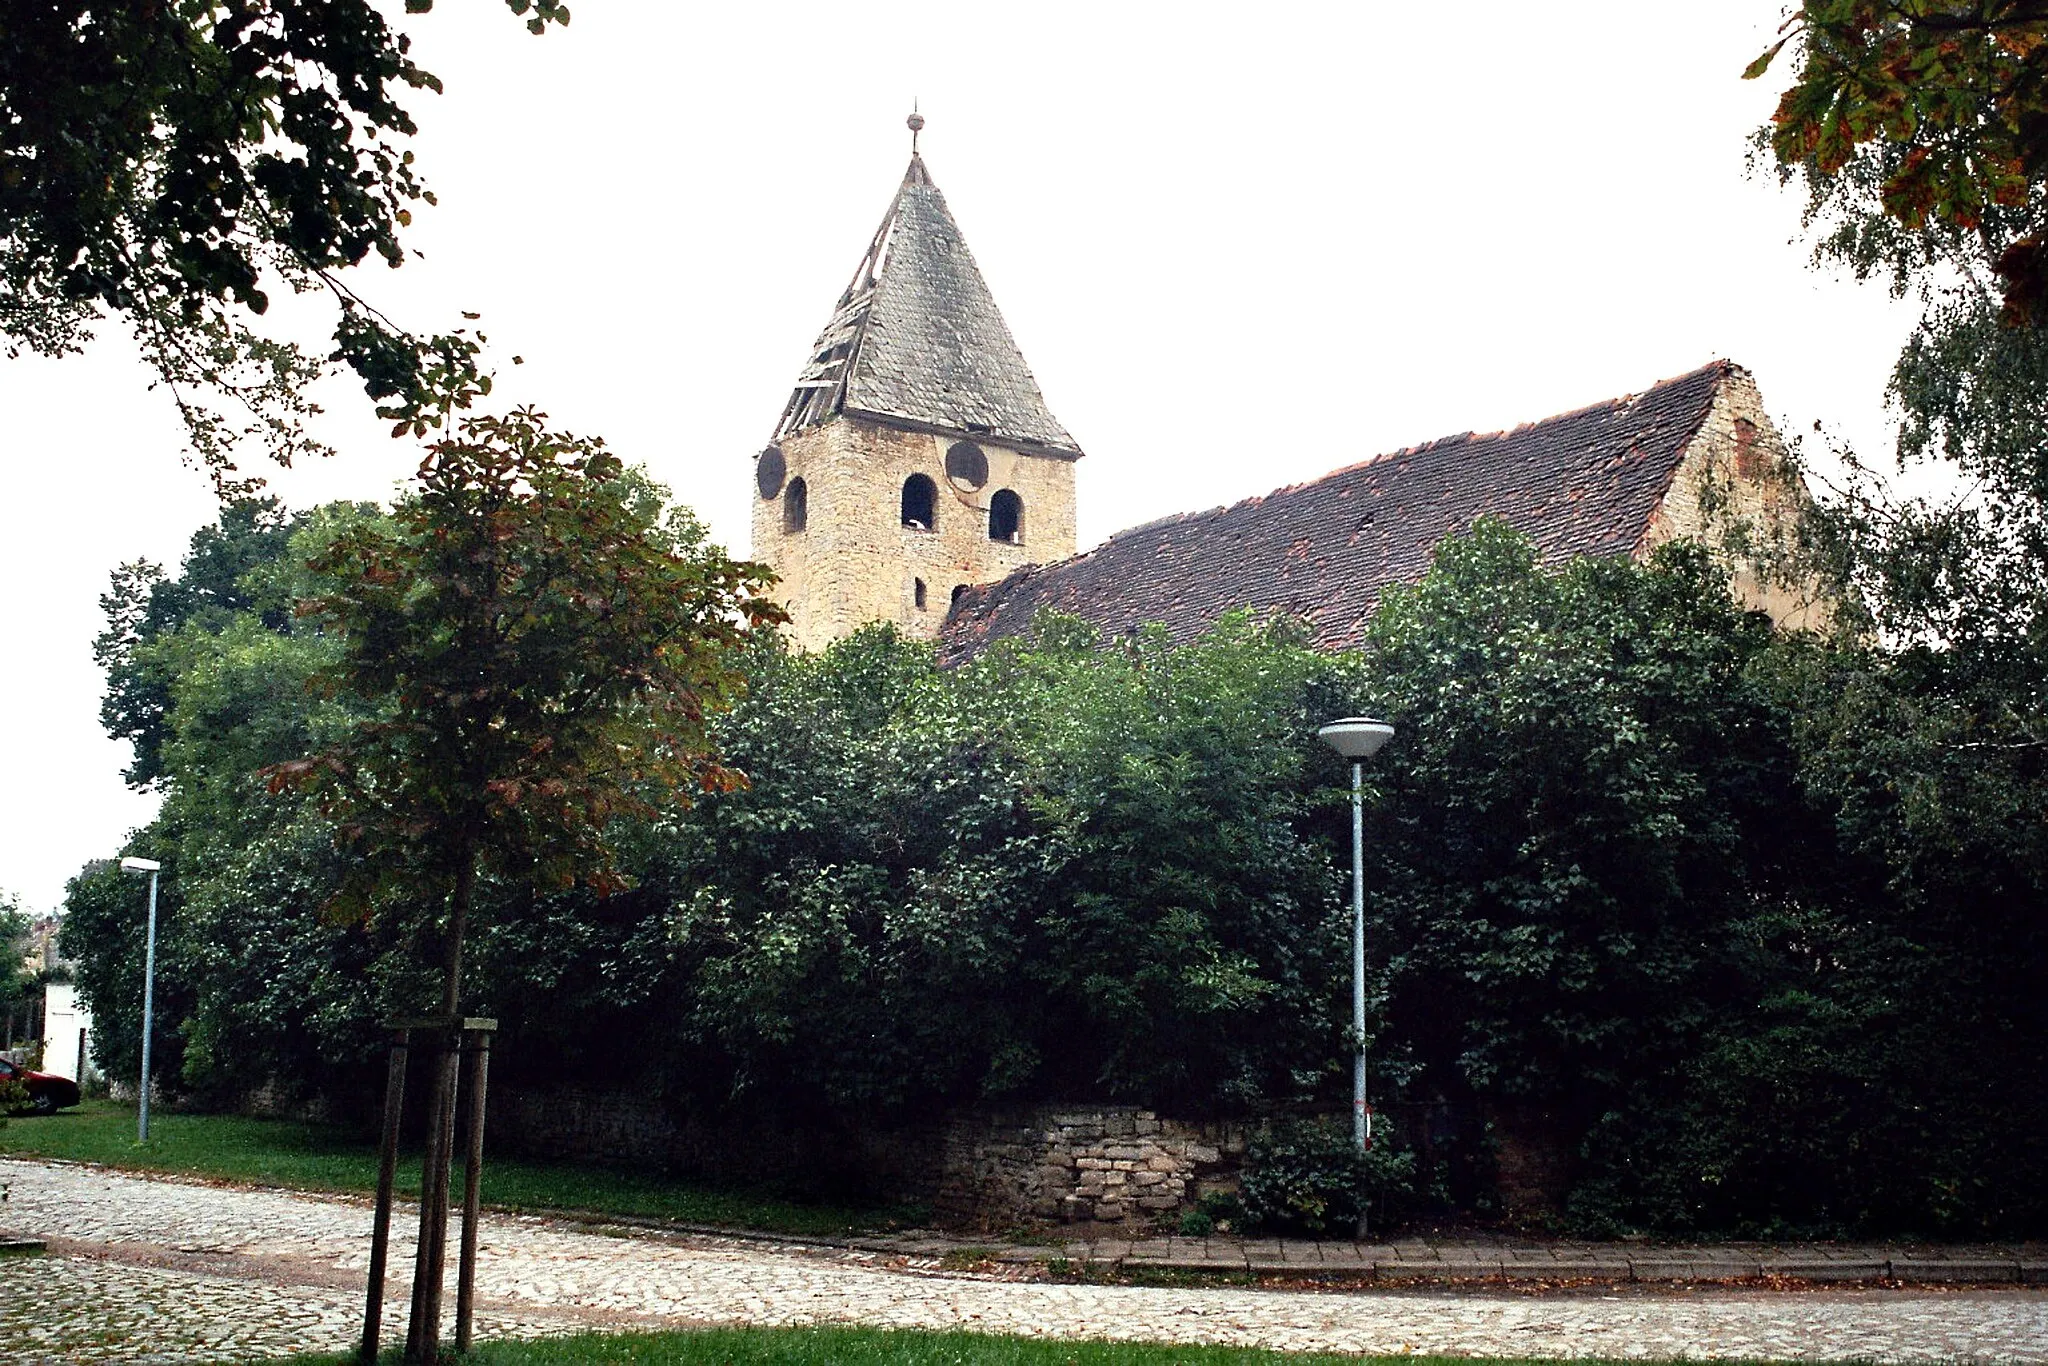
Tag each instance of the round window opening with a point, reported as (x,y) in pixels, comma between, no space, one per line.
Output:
(966,465)
(770,469)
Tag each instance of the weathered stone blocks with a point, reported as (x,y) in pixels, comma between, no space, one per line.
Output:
(855,561)
(1095,1166)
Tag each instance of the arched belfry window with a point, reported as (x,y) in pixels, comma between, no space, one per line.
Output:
(1006,517)
(920,503)
(796,510)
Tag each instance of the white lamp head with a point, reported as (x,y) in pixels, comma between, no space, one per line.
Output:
(140,865)
(1356,737)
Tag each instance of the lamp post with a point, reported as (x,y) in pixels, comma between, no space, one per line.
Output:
(1357,738)
(152,867)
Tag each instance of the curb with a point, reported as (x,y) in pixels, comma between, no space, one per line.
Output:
(1668,1269)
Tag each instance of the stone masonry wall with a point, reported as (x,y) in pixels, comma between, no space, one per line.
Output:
(1091,1164)
(1096,1164)
(855,562)
(1736,490)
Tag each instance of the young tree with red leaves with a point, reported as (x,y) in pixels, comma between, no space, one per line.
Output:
(543,652)
(538,653)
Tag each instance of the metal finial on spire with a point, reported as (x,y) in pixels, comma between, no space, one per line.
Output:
(916,122)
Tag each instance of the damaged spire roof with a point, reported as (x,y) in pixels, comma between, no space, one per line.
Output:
(916,340)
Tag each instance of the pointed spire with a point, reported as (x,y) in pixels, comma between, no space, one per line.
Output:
(917,341)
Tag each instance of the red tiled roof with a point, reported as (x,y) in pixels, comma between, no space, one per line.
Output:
(1581,483)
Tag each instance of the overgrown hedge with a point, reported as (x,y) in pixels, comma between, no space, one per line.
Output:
(1721,921)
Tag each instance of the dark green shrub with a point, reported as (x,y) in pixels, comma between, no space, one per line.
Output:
(1216,1212)
(1306,1177)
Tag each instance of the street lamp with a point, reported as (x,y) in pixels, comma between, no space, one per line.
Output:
(152,867)
(1357,738)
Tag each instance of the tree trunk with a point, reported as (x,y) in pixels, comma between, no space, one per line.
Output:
(458,919)
(423,1337)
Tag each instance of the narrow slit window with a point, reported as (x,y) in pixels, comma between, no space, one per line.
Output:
(920,503)
(917,592)
(796,510)
(1006,517)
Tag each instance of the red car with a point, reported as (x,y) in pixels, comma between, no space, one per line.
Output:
(47,1092)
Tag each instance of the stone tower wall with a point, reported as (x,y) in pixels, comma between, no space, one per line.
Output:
(855,562)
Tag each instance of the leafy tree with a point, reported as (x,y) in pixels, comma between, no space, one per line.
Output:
(1920,133)
(1936,108)
(19,984)
(1192,929)
(537,654)
(1586,788)
(144,608)
(1879,1073)
(1063,871)
(1744,937)
(105,914)
(166,163)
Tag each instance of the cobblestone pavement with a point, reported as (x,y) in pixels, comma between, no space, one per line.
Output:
(153,1270)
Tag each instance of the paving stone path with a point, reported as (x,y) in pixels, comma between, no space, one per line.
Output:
(145,1270)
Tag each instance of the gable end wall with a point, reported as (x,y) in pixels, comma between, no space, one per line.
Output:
(1736,490)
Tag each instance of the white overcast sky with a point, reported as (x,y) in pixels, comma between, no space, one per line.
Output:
(1239,245)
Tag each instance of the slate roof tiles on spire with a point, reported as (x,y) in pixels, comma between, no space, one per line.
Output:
(917,340)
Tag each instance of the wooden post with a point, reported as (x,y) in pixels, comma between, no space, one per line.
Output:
(479,1039)
(423,1333)
(387,1172)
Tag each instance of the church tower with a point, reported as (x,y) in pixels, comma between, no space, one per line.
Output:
(916,455)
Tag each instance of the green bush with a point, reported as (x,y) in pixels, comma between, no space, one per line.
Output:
(1308,1177)
(1216,1212)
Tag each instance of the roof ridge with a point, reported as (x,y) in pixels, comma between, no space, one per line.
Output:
(1581,482)
(1356,465)
(1723,365)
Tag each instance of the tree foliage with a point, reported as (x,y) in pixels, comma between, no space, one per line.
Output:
(1554,914)
(1948,99)
(1739,925)
(19,984)
(145,608)
(1920,134)
(168,163)
(532,654)
(1062,871)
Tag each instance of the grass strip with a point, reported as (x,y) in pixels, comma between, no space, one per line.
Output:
(836,1346)
(314,1157)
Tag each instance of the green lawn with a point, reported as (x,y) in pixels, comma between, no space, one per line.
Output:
(314,1157)
(860,1346)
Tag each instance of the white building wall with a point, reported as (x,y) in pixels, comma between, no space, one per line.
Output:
(64,1016)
